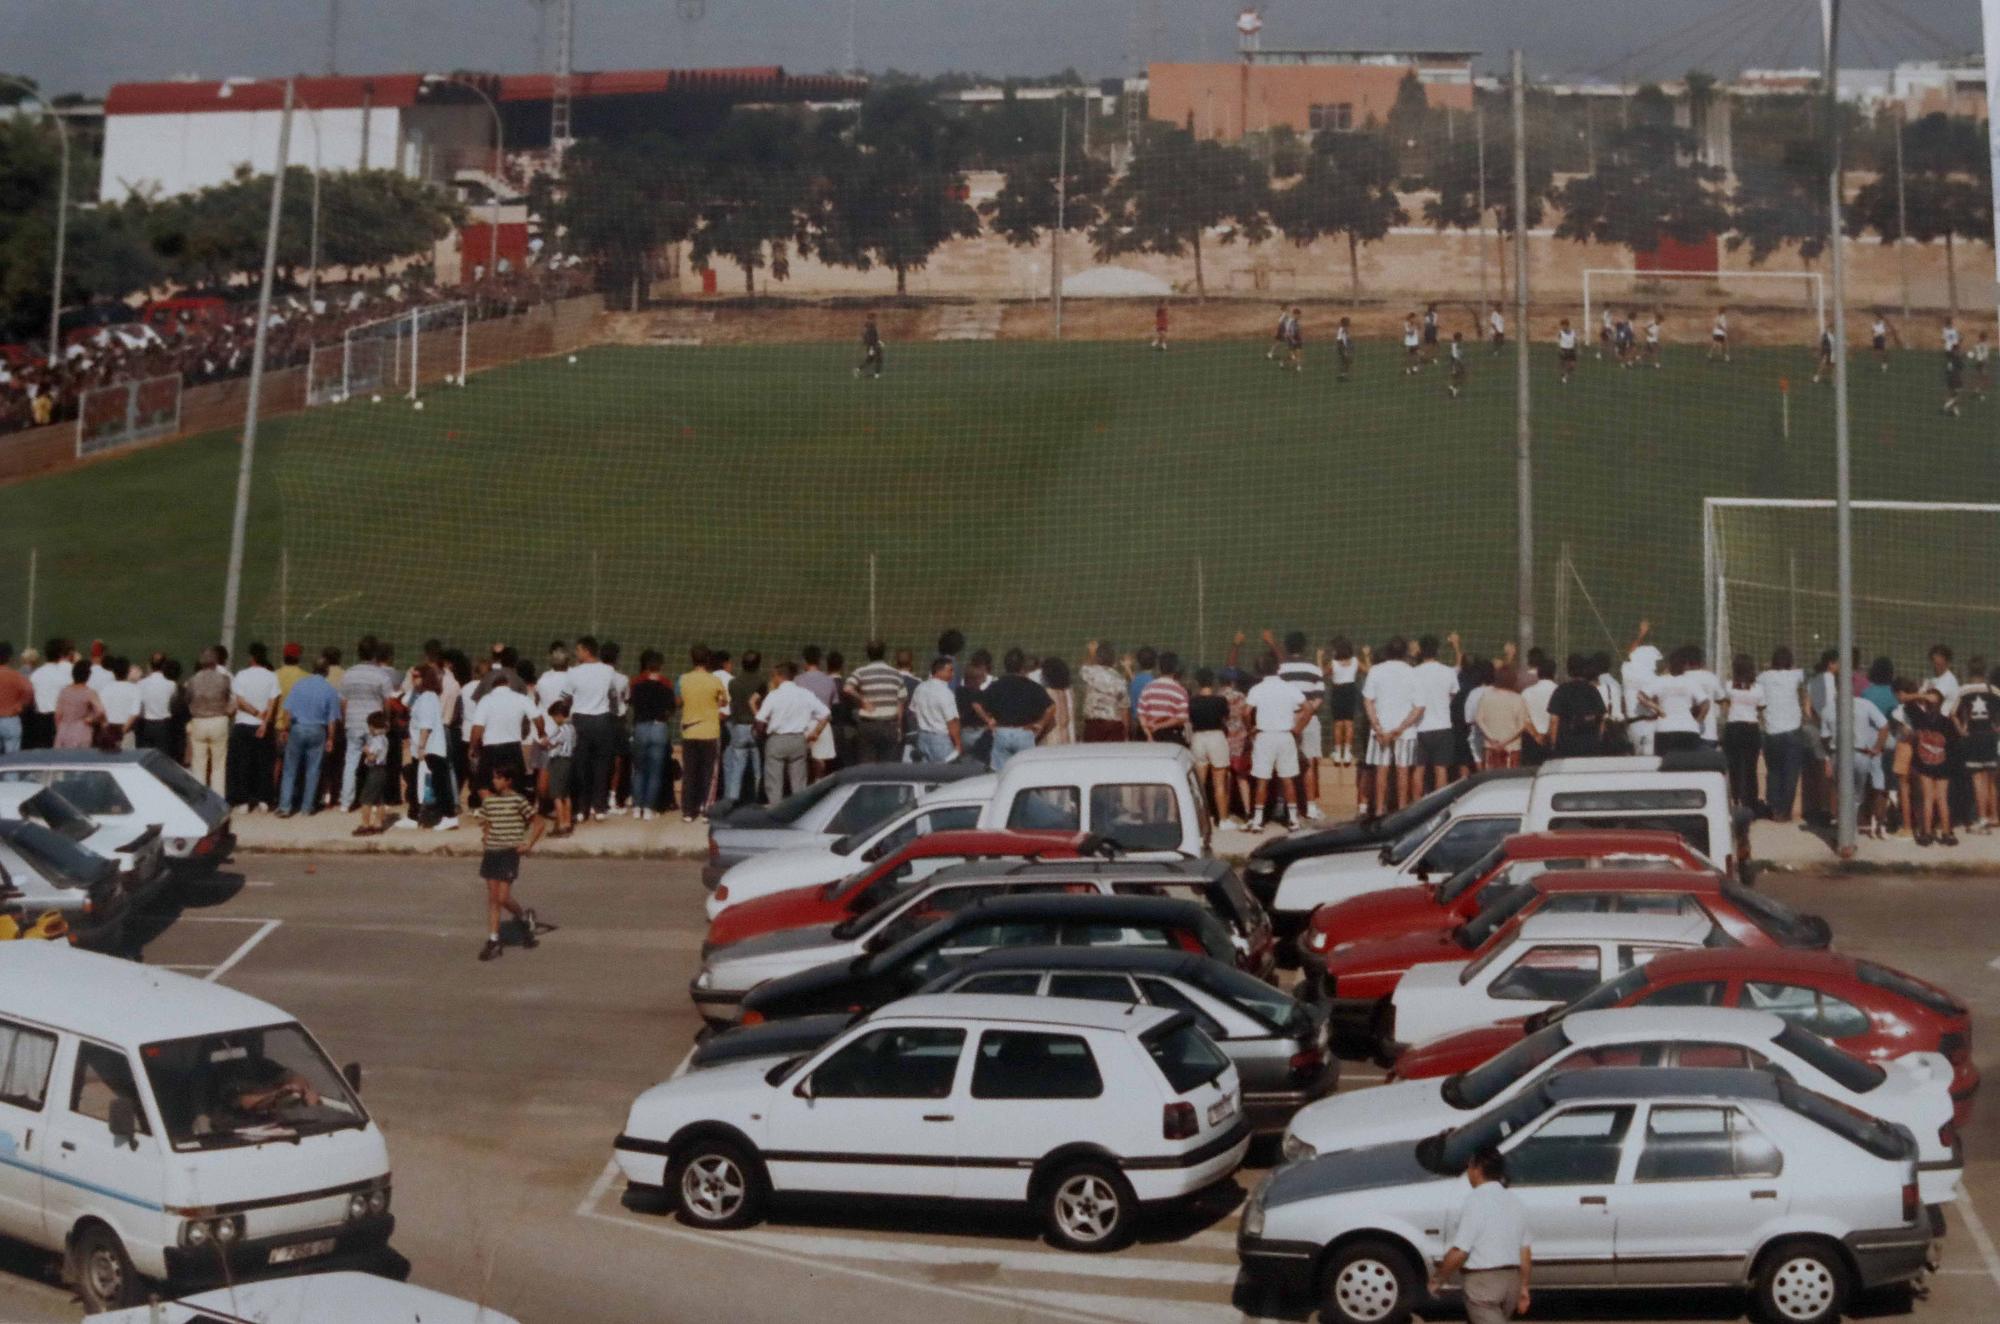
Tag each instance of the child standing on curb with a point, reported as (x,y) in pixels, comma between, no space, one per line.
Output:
(511,829)
(374,775)
(562,762)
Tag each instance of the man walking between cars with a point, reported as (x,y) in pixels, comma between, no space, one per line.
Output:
(1490,1245)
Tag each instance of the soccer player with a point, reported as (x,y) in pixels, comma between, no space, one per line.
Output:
(1824,368)
(1982,369)
(1653,339)
(1160,326)
(1430,333)
(1949,337)
(871,349)
(1718,337)
(1456,382)
(1605,331)
(1878,339)
(1954,381)
(1496,327)
(1566,350)
(1413,360)
(1281,335)
(1295,341)
(1623,337)
(1343,344)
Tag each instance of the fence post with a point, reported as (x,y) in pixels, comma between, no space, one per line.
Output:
(1201,607)
(34,569)
(874,621)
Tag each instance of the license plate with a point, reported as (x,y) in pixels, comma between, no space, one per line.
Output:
(303,1250)
(1221,1109)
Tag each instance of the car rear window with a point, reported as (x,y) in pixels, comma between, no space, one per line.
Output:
(1691,828)
(179,780)
(1184,1055)
(1136,816)
(56,858)
(1849,1071)
(1877,1137)
(1881,976)
(1252,994)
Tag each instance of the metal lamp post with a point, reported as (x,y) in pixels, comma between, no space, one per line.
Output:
(62,215)
(499,162)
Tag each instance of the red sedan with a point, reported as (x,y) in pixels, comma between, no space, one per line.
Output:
(1439,907)
(1868,1009)
(830,903)
(1355,977)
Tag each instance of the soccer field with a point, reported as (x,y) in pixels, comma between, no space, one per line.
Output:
(1028,493)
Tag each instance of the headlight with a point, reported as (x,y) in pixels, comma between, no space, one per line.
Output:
(194,1235)
(706,979)
(378,1201)
(357,1206)
(228,1230)
(1295,1150)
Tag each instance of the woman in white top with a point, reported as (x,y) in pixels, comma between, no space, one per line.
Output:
(1783,685)
(1343,697)
(1681,701)
(1742,733)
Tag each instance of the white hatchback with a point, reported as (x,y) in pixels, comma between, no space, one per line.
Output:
(1552,958)
(1084,1111)
(1912,1091)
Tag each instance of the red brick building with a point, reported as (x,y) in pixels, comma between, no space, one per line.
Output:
(1307,90)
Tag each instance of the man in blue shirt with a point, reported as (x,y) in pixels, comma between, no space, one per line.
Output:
(314,709)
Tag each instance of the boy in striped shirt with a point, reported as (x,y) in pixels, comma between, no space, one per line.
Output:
(511,829)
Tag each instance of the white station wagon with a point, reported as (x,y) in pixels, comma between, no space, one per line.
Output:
(1084,1111)
(1553,957)
(1632,1178)
(1912,1091)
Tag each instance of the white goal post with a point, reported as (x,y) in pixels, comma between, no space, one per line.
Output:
(390,352)
(1923,574)
(1596,279)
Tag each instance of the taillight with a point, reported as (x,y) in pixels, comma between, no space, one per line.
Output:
(722,892)
(1954,1046)
(1178,1122)
(752,1018)
(1911,1204)
(714,850)
(1307,1063)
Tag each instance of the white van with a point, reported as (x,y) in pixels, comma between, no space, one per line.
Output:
(1141,796)
(155,1128)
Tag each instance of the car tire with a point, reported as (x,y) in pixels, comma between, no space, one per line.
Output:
(104,1275)
(1801,1282)
(1089,1207)
(1370,1282)
(715,1184)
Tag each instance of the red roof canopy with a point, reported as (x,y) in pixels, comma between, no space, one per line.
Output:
(759,83)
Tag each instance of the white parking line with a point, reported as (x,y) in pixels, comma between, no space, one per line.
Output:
(598,1189)
(1055,1262)
(265,928)
(1981,1238)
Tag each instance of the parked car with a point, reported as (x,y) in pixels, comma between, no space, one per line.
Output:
(43,871)
(1913,1091)
(1647,1178)
(869,981)
(1278,1043)
(881,878)
(1687,794)
(954,806)
(141,860)
(729,972)
(1140,796)
(314,1298)
(841,802)
(1542,962)
(132,790)
(178,1132)
(1401,911)
(1353,979)
(1081,1111)
(1273,856)
(1868,1009)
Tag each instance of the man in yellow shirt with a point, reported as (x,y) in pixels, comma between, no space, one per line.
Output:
(703,698)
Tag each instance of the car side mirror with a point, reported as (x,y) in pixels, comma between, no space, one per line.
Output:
(804,1089)
(351,1073)
(124,1122)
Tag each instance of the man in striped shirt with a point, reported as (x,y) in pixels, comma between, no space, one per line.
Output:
(1163,704)
(878,694)
(1305,676)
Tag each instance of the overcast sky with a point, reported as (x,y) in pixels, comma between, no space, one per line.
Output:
(86,45)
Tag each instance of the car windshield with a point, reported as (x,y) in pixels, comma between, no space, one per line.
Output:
(1454,887)
(1475,931)
(60,815)
(1481,1085)
(1448,1152)
(1184,1055)
(180,781)
(1252,994)
(1873,1135)
(1881,976)
(248,1087)
(1406,845)
(1608,994)
(57,859)
(1788,926)
(1843,1068)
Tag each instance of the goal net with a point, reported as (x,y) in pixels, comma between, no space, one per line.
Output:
(127,413)
(1923,574)
(1693,296)
(392,355)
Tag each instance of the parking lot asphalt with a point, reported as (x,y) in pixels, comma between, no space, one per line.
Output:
(500,1086)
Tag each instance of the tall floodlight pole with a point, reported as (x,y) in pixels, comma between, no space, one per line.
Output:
(1902,216)
(1843,514)
(1524,473)
(1062,215)
(62,214)
(1479,146)
(232,589)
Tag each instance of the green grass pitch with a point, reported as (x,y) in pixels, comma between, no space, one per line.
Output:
(1027,492)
